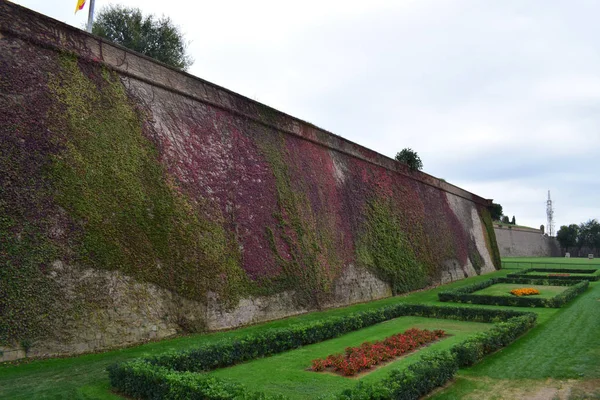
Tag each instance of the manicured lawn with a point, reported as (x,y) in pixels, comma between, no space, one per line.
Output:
(565,343)
(569,273)
(286,373)
(503,289)
(548,262)
(84,377)
(566,346)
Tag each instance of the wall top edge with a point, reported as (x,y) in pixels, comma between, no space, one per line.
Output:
(26,24)
(516,228)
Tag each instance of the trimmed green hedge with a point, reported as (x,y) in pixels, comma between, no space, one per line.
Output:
(146,381)
(418,379)
(171,376)
(229,352)
(466,294)
(435,369)
(593,274)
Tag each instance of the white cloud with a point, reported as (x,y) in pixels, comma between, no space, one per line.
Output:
(502,98)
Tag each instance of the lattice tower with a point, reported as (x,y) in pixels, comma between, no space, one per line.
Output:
(550,215)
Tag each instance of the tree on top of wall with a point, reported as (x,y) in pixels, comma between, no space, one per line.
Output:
(513,221)
(495,211)
(156,38)
(410,157)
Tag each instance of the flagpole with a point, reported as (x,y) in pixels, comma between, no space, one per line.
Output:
(90,17)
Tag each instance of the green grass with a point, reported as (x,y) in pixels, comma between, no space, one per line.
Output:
(503,289)
(564,343)
(548,262)
(286,373)
(570,273)
(566,346)
(84,377)
(511,225)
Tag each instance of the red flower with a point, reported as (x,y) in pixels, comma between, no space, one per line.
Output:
(356,359)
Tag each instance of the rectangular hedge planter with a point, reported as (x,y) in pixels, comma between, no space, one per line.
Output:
(466,294)
(594,274)
(176,375)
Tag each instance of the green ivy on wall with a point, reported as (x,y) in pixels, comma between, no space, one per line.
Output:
(312,263)
(386,250)
(490,236)
(130,213)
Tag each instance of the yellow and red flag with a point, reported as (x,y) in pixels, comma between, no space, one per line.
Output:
(80,4)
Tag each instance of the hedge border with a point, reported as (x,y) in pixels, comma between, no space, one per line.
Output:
(466,294)
(436,369)
(593,277)
(168,377)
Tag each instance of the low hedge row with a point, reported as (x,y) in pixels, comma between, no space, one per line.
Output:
(526,273)
(229,352)
(142,380)
(418,379)
(172,376)
(466,294)
(435,369)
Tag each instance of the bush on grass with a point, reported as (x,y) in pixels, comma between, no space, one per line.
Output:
(166,376)
(466,294)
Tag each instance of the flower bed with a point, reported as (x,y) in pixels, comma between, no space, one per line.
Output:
(171,376)
(466,294)
(591,275)
(357,359)
(524,292)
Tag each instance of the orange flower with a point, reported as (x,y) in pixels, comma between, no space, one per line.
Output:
(524,292)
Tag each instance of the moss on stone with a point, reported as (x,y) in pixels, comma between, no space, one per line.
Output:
(130,213)
(475,257)
(490,236)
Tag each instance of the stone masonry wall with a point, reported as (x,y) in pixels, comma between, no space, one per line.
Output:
(525,242)
(138,202)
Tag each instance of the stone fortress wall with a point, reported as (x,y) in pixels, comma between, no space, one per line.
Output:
(140,202)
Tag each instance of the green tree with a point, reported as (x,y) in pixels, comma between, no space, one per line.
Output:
(495,211)
(513,221)
(410,157)
(567,236)
(505,220)
(542,229)
(589,234)
(156,38)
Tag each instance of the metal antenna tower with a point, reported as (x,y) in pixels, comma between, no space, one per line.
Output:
(550,214)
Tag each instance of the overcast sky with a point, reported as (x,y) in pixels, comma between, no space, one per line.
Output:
(499,97)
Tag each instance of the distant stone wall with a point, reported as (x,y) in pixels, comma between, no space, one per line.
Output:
(525,242)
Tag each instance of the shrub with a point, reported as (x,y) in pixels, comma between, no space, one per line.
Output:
(229,352)
(557,274)
(437,368)
(465,294)
(142,380)
(171,376)
(433,370)
(410,157)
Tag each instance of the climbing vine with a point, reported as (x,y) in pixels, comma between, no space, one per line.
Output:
(130,213)
(28,298)
(302,245)
(490,236)
(386,249)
